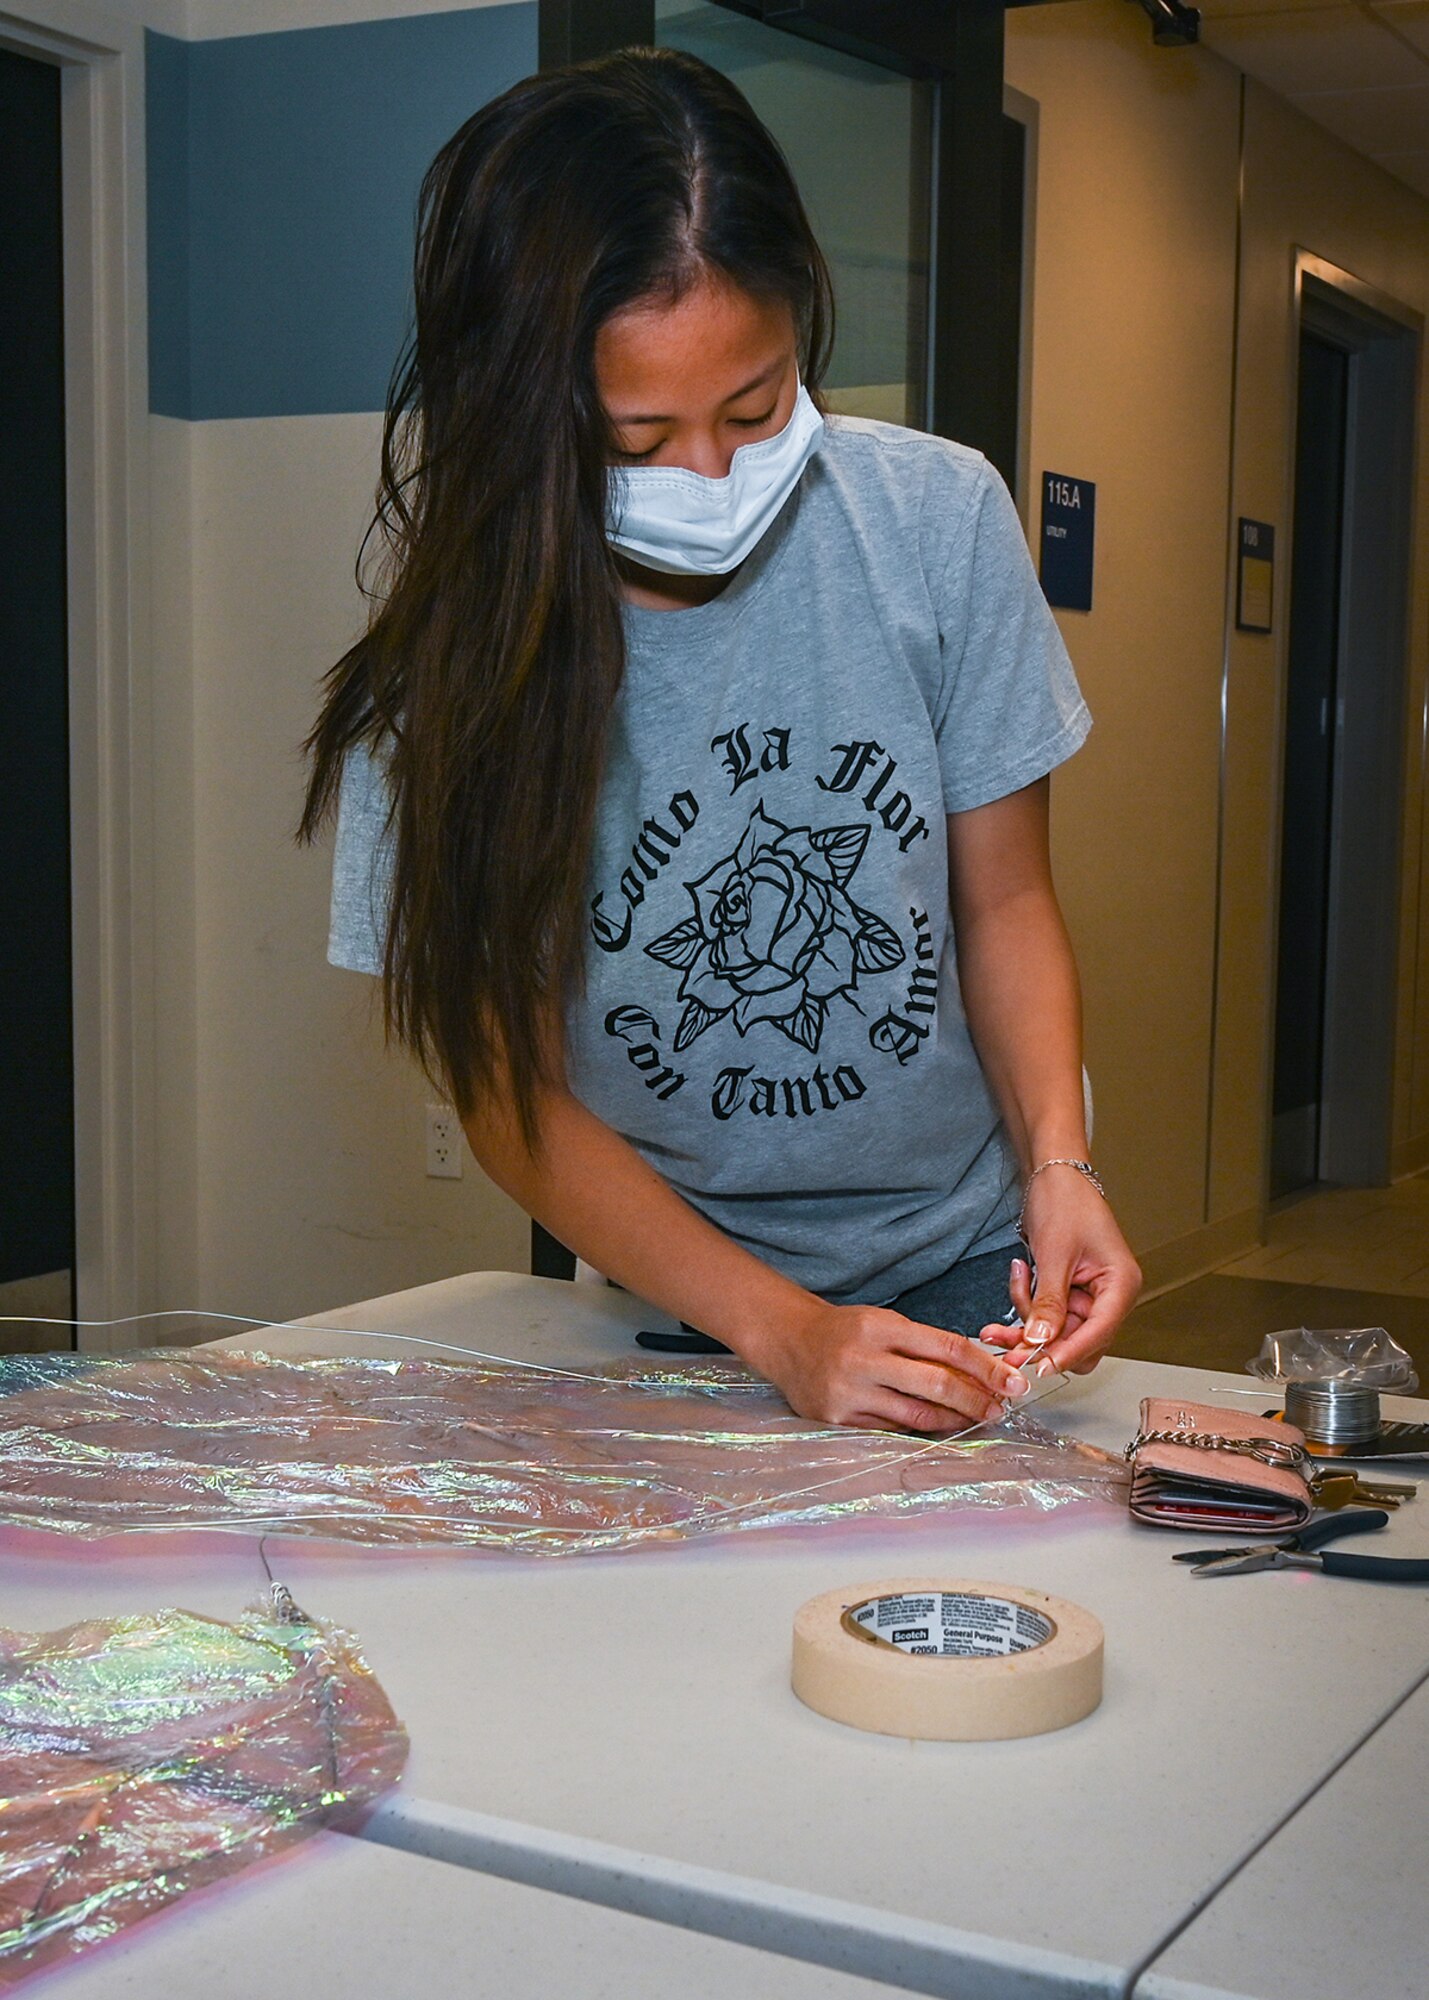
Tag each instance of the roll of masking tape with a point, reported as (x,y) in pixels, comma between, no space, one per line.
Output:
(947,1660)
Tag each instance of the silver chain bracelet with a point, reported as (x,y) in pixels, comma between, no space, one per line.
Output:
(1083,1167)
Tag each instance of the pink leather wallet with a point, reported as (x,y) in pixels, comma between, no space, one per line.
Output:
(1195,1466)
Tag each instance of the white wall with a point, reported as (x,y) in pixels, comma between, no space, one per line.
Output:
(292,1141)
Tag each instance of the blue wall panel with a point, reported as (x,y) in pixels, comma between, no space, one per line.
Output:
(167,142)
(283,178)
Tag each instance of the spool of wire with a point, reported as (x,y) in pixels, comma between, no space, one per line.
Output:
(1334,1414)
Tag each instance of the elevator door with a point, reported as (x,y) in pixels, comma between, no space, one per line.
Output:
(1313,707)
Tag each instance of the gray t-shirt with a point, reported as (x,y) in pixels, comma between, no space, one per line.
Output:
(772,1015)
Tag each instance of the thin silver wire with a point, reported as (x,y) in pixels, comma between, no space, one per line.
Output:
(377,1333)
(306,1326)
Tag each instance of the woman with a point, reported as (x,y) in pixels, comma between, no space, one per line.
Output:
(692,775)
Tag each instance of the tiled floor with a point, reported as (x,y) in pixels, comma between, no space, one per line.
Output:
(1342,1257)
(1364,1239)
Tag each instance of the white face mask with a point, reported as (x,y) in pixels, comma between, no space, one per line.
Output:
(675,520)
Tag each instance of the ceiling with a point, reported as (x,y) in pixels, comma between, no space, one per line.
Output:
(1359,68)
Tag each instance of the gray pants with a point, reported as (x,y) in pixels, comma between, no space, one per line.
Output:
(968,1296)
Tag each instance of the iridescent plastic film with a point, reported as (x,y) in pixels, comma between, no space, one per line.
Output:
(496,1456)
(143,1756)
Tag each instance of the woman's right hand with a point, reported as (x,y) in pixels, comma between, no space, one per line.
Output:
(871,1367)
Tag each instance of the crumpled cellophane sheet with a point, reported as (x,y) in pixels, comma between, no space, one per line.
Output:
(146,1755)
(481,1454)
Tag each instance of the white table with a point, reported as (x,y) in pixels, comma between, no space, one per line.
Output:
(336,1914)
(1334,1906)
(623,1727)
(347,1916)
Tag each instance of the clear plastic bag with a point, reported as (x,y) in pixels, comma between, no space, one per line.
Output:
(146,1755)
(488,1455)
(1365,1355)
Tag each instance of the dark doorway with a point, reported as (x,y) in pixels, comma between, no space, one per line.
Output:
(1342,818)
(36,1047)
(1311,730)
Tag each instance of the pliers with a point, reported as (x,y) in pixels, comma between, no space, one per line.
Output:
(1299,1552)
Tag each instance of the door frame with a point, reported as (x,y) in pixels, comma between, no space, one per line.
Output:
(101,61)
(1027,112)
(1384,341)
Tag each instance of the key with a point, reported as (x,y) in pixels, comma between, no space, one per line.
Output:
(1382,1493)
(1333,1490)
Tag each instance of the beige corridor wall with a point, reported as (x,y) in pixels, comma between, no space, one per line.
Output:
(1134,342)
(1304,189)
(1133,321)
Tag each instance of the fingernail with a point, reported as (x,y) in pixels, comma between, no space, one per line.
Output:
(1016,1385)
(1019,1269)
(1046,1365)
(1039,1332)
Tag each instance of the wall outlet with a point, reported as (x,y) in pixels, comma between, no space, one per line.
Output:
(444,1143)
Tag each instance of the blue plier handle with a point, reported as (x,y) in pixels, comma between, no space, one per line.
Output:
(1301,1551)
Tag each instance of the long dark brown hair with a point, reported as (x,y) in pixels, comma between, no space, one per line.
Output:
(495,647)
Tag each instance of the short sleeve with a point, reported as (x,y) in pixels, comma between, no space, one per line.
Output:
(1009,709)
(361,865)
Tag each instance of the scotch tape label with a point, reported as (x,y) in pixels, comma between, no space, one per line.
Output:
(953,1625)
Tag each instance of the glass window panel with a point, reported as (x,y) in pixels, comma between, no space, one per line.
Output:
(858,139)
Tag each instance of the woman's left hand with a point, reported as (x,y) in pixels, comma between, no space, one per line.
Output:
(1087,1279)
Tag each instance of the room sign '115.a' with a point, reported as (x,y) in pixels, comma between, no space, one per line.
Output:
(1069,508)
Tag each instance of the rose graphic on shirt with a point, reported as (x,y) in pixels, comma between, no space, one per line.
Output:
(776,935)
